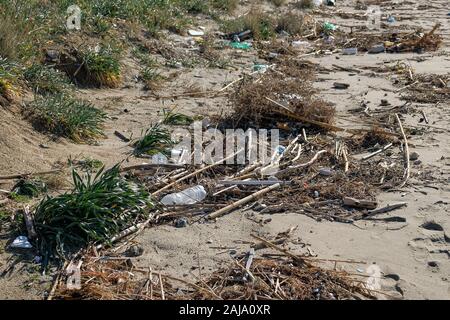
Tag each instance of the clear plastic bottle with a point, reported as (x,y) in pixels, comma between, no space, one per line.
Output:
(188,196)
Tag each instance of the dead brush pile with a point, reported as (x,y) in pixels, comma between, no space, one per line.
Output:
(416,41)
(282,278)
(287,85)
(427,88)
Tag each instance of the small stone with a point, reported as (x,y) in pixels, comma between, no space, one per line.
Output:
(316,194)
(44,146)
(325,172)
(413,156)
(134,251)
(181,223)
(417,162)
(209,241)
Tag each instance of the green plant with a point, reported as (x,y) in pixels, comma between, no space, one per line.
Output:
(87,164)
(151,78)
(174,118)
(155,140)
(62,115)
(46,80)
(96,209)
(102,67)
(261,25)
(29,188)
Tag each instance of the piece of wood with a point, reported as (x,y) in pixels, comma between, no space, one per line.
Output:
(29,223)
(365,204)
(303,165)
(152,166)
(286,252)
(121,136)
(243,201)
(385,209)
(406,153)
(373,154)
(251,182)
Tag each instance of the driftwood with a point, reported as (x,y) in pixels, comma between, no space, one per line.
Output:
(121,136)
(373,154)
(29,222)
(385,209)
(406,154)
(152,166)
(241,202)
(365,204)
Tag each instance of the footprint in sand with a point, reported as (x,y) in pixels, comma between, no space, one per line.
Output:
(433,243)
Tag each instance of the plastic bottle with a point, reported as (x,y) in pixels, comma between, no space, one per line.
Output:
(188,196)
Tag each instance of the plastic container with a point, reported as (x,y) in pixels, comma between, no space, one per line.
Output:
(188,196)
(350,51)
(377,49)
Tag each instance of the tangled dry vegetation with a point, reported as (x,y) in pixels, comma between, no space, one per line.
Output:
(283,277)
(287,84)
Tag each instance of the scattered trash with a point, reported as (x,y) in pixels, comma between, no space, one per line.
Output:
(377,49)
(240,36)
(350,51)
(181,223)
(260,68)
(340,85)
(240,45)
(159,158)
(301,44)
(317,3)
(328,26)
(189,196)
(391,19)
(21,242)
(196,33)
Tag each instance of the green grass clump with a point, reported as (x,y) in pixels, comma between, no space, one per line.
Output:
(87,164)
(175,118)
(31,188)
(46,80)
(261,24)
(102,67)
(96,209)
(155,140)
(65,116)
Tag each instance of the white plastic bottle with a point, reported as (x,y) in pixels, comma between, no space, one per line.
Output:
(188,196)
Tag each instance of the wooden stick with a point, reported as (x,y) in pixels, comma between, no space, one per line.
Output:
(373,154)
(151,166)
(241,202)
(346,162)
(302,165)
(29,223)
(366,204)
(407,164)
(385,209)
(286,252)
(194,174)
